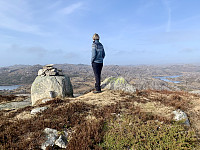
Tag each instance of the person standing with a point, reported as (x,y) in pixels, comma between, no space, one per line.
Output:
(98,55)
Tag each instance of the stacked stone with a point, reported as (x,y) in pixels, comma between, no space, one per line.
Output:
(49,70)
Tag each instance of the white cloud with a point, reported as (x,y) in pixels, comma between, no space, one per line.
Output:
(17,16)
(32,50)
(167,5)
(14,24)
(72,8)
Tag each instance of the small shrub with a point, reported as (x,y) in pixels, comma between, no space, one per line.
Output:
(130,132)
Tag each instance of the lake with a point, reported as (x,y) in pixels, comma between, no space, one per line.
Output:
(9,87)
(164,78)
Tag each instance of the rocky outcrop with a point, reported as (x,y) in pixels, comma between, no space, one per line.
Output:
(50,85)
(181,116)
(117,83)
(54,138)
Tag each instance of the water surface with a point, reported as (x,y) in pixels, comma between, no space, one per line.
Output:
(164,78)
(9,87)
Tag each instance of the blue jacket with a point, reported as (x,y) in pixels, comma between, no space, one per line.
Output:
(98,52)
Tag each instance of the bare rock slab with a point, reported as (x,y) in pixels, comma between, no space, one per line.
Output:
(50,87)
(38,110)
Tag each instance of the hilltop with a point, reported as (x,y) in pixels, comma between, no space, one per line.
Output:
(108,120)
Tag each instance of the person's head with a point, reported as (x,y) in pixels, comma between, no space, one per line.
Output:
(95,37)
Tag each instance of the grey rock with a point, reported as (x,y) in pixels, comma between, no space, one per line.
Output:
(60,73)
(51,137)
(60,85)
(41,72)
(46,100)
(45,68)
(15,105)
(195,92)
(117,83)
(38,110)
(51,131)
(179,115)
(54,70)
(49,65)
(61,141)
(49,70)
(50,73)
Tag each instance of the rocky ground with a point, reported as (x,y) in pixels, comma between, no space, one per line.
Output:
(84,117)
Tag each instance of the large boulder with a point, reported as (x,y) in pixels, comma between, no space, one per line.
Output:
(50,87)
(117,83)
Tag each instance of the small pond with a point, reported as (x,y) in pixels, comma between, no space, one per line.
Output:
(9,87)
(166,78)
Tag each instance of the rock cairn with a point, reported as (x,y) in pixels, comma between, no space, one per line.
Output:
(50,83)
(49,70)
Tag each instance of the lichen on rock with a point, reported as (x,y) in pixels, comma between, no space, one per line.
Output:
(117,83)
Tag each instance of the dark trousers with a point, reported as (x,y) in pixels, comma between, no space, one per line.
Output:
(97,67)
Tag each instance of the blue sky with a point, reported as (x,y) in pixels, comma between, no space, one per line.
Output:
(133,32)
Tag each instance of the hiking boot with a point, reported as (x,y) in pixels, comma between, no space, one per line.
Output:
(96,92)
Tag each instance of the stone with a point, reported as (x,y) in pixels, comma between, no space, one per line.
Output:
(60,85)
(49,65)
(179,115)
(118,83)
(51,137)
(46,100)
(41,72)
(61,141)
(50,73)
(195,92)
(54,70)
(60,72)
(49,70)
(45,68)
(51,131)
(38,110)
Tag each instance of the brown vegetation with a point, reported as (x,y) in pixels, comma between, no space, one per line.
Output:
(176,99)
(85,120)
(6,98)
(9,98)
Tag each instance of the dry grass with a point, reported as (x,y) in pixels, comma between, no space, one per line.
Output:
(6,98)
(176,99)
(9,98)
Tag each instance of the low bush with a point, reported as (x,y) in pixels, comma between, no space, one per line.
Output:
(130,132)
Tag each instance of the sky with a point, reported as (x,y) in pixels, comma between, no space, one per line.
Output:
(133,32)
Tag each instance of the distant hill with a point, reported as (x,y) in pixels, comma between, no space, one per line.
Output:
(83,79)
